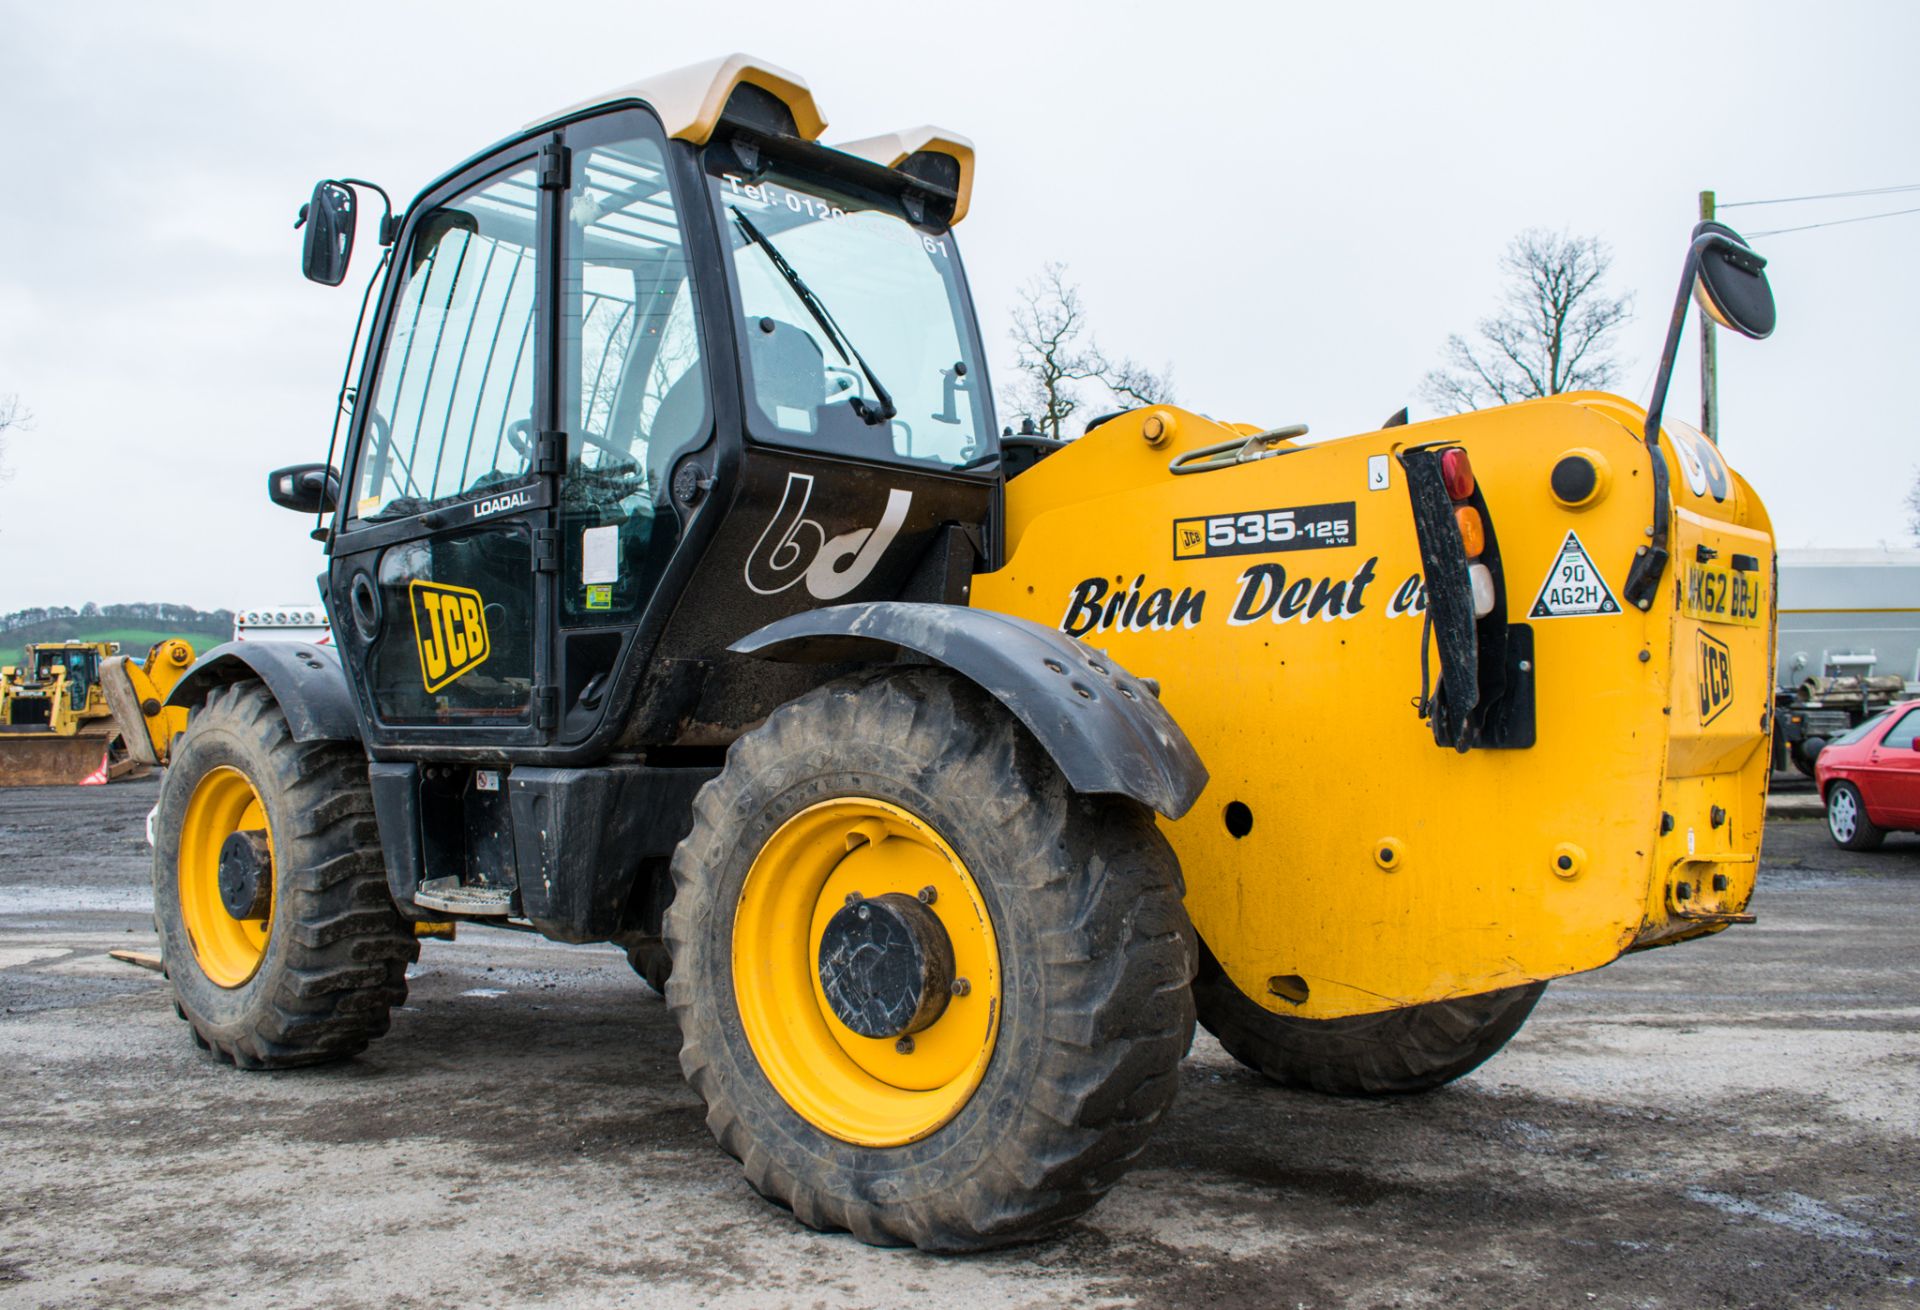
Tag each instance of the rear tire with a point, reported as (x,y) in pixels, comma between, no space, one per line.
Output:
(653,962)
(1847,821)
(1080,896)
(312,978)
(1395,1052)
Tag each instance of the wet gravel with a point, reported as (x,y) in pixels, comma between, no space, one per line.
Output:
(1733,1123)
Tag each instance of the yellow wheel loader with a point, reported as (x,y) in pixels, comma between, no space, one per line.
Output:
(55,726)
(685,594)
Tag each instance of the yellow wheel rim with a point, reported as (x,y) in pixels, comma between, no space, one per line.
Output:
(229,950)
(860,1089)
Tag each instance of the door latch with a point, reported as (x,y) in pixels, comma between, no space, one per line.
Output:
(546,550)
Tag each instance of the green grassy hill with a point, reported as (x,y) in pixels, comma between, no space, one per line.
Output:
(134,641)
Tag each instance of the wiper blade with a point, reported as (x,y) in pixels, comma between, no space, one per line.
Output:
(882,409)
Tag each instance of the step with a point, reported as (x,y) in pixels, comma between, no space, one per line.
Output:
(451,896)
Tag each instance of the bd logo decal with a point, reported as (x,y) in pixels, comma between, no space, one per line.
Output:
(1716,678)
(795,547)
(449,631)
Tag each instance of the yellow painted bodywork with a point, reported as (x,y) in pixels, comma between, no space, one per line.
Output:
(1380,868)
(137,691)
(860,1089)
(63,718)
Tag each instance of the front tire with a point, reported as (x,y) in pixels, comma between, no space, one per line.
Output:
(1847,821)
(1036,1084)
(1413,1049)
(308,968)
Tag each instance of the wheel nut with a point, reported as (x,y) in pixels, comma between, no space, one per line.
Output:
(928,896)
(854,898)
(904,1046)
(961,987)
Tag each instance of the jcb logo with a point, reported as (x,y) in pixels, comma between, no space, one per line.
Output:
(1716,678)
(450,630)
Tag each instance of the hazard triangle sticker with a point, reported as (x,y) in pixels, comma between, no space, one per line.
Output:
(1573,586)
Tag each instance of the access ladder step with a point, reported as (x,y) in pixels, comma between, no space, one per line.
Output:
(454,897)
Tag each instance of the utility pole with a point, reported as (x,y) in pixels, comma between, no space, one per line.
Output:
(1709,376)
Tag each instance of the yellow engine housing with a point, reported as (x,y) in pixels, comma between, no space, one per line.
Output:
(1376,869)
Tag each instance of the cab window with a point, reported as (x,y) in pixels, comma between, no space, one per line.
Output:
(452,409)
(634,391)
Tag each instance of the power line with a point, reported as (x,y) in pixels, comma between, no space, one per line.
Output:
(1837,222)
(1831,195)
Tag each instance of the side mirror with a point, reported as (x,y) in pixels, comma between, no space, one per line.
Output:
(304,488)
(1732,286)
(328,218)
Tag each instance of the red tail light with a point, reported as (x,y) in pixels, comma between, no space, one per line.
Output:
(1456,472)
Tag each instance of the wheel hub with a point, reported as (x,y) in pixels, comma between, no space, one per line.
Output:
(886,966)
(246,874)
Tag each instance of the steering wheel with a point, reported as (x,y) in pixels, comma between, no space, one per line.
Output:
(520,432)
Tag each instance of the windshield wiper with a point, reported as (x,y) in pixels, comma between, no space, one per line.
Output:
(882,409)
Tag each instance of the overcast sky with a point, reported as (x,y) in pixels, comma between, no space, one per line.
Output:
(1293,204)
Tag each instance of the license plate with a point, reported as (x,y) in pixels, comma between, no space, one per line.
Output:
(1718,595)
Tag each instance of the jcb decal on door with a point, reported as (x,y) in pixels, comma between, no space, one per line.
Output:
(449,630)
(795,547)
(1716,678)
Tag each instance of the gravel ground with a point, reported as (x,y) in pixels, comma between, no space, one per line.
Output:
(1734,1123)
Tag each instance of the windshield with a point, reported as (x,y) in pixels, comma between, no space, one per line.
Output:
(887,322)
(1866,726)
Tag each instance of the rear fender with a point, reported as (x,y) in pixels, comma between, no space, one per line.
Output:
(1106,729)
(306,681)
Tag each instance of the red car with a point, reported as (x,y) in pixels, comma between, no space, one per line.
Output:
(1870,778)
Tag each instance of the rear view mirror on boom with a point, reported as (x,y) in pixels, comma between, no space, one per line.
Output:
(328,218)
(304,488)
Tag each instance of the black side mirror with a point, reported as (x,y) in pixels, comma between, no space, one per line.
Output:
(304,488)
(1732,286)
(328,218)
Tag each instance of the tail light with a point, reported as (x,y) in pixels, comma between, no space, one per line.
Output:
(1473,532)
(1456,472)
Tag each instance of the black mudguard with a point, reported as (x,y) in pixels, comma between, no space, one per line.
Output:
(306,680)
(1104,728)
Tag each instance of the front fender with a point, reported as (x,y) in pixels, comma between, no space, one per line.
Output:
(1104,728)
(306,680)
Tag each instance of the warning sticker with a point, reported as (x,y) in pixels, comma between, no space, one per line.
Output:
(1573,586)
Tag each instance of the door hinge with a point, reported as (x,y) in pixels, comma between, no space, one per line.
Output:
(546,550)
(549,453)
(546,707)
(553,166)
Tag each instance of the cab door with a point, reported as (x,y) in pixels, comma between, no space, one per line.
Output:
(1893,773)
(441,561)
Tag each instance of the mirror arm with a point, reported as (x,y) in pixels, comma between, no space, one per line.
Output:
(1650,563)
(389,224)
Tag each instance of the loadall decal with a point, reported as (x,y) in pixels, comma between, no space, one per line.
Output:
(1262,532)
(795,547)
(1716,678)
(449,631)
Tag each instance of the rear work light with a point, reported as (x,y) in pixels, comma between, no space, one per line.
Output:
(1473,533)
(1456,474)
(1482,579)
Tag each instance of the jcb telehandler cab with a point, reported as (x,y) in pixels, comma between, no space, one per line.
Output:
(684,597)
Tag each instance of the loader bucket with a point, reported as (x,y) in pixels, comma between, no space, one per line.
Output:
(38,758)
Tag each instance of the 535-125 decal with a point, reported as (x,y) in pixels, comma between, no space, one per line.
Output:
(1264,531)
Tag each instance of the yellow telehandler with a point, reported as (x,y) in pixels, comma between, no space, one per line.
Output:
(685,594)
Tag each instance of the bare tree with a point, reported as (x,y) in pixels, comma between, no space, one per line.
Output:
(1055,355)
(1552,333)
(1913,506)
(13,416)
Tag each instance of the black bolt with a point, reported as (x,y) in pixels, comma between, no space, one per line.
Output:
(928,895)
(1683,891)
(1386,855)
(1666,823)
(1719,882)
(1717,816)
(854,898)
(1645,655)
(1565,861)
(904,1046)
